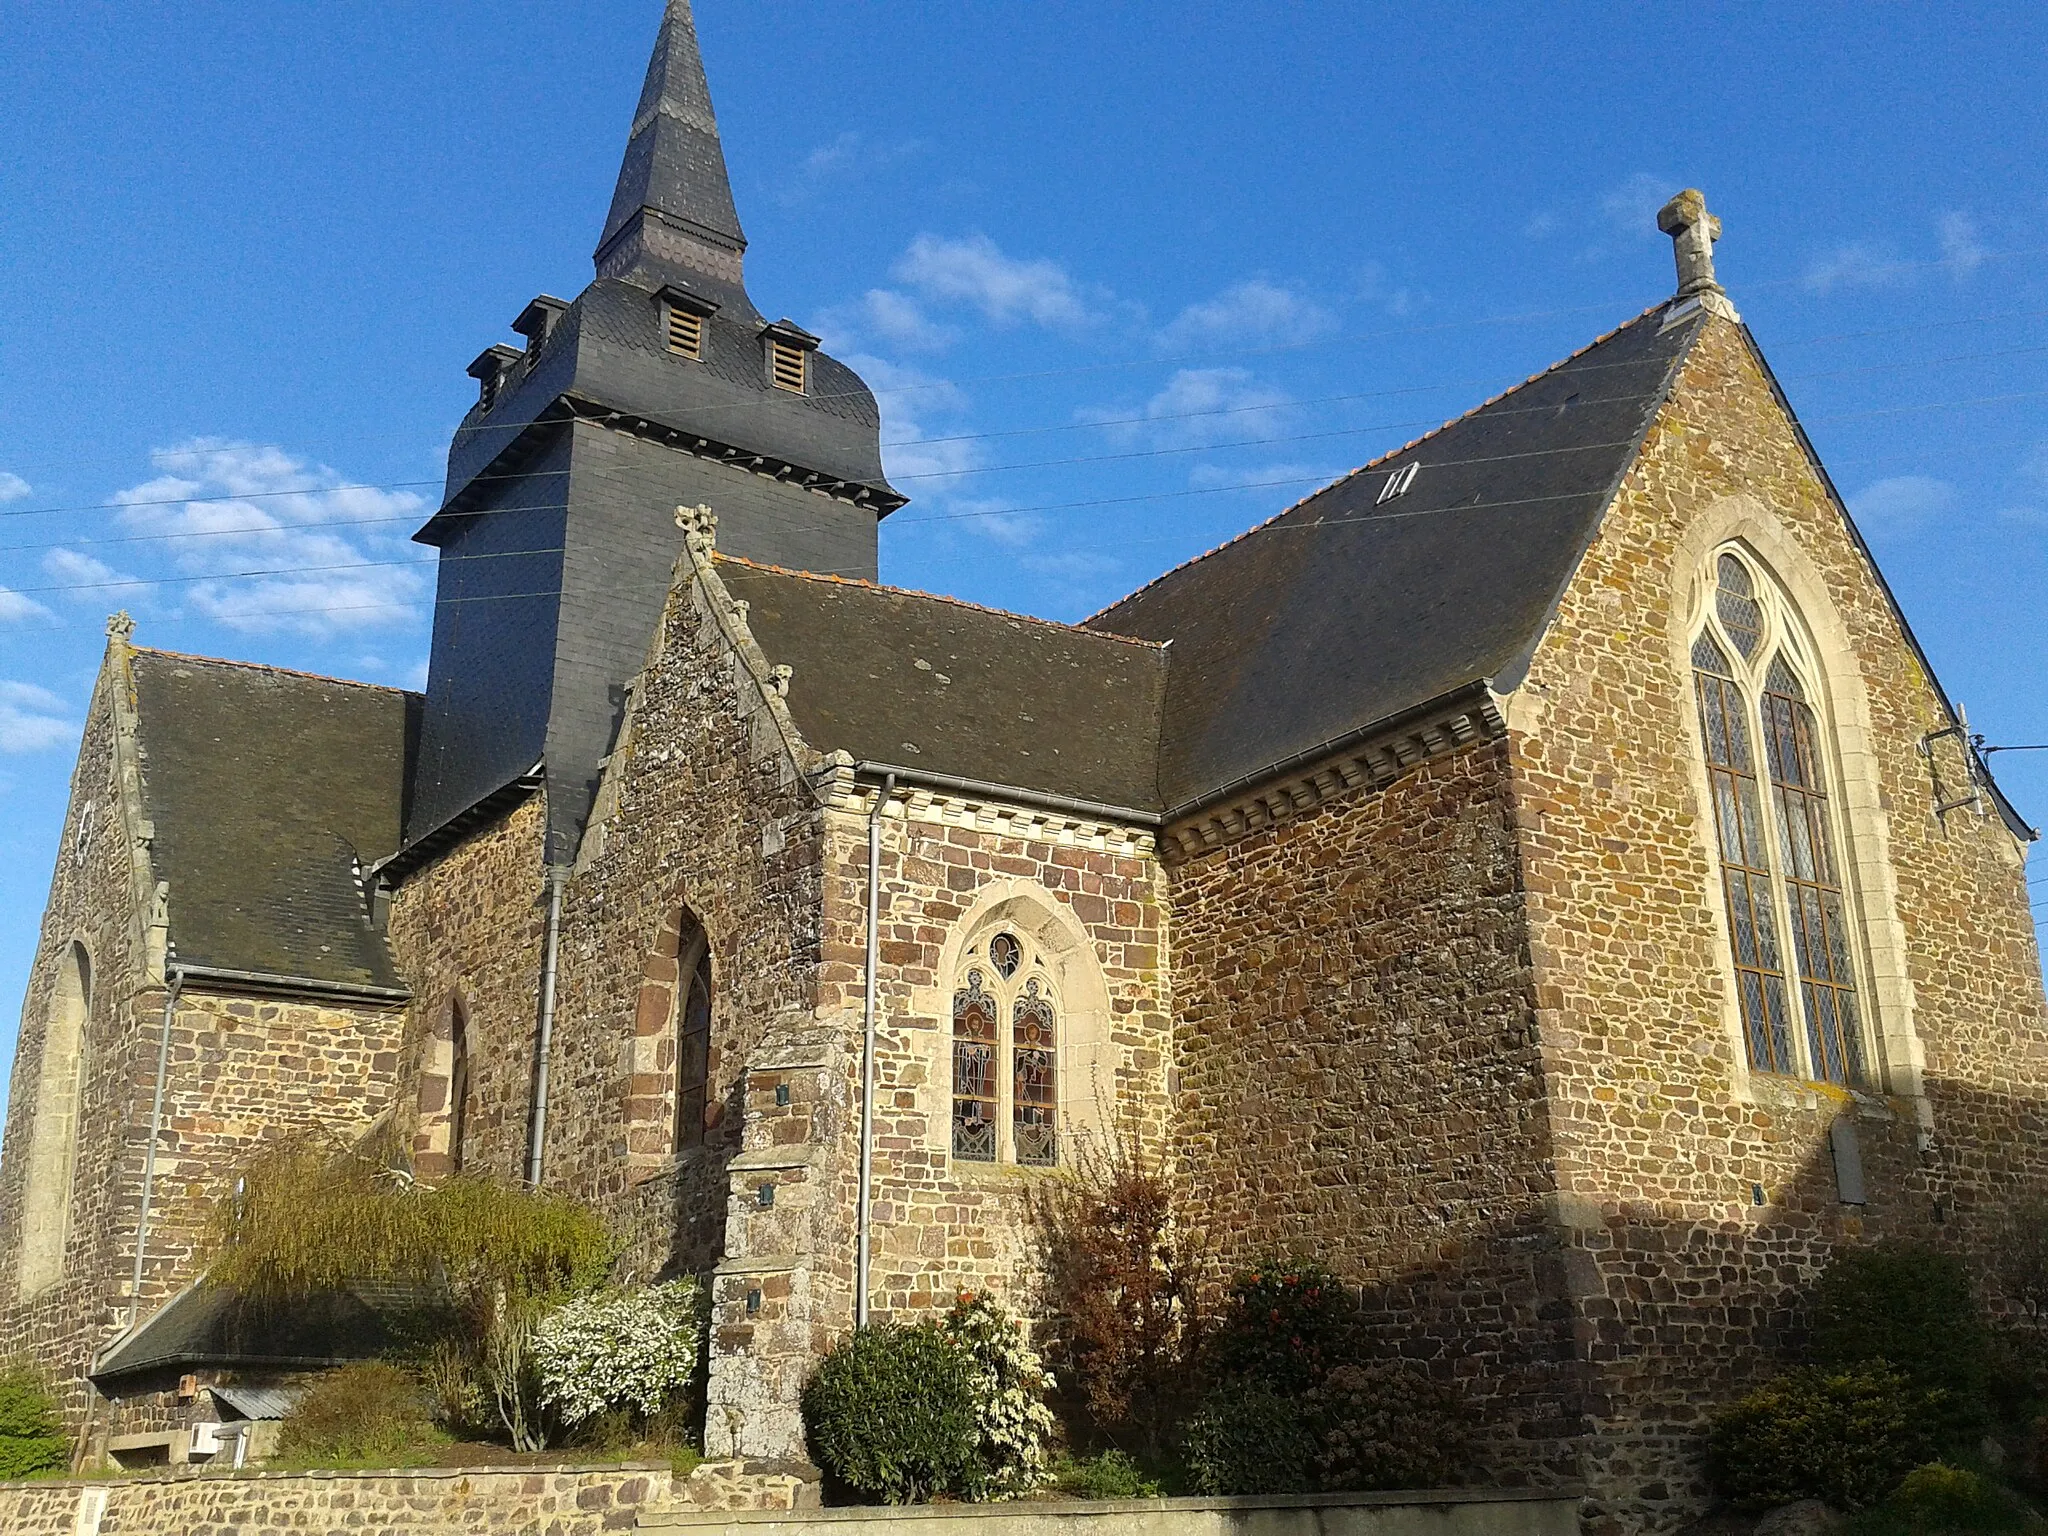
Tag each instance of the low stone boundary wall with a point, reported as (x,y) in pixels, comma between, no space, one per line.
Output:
(1437,1512)
(426,1501)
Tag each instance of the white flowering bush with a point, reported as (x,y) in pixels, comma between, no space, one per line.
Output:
(1010,1383)
(619,1348)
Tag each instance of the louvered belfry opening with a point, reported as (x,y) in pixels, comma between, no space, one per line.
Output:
(685,332)
(788,365)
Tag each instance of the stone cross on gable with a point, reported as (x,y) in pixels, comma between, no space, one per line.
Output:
(1693,232)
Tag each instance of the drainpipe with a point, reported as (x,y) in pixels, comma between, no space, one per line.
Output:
(176,977)
(867,1055)
(556,874)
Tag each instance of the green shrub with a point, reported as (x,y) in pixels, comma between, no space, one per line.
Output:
(1846,1437)
(1250,1439)
(890,1415)
(1286,1322)
(625,1348)
(1111,1475)
(1386,1425)
(1938,1500)
(1913,1309)
(32,1439)
(369,1414)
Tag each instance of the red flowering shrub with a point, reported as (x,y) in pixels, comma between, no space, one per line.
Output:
(1286,1323)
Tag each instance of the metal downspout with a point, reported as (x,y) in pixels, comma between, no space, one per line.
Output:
(556,874)
(176,978)
(867,1056)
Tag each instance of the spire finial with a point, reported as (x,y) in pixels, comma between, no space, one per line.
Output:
(673,204)
(120,627)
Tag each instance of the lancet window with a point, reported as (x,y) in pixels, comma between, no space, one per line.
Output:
(1768,762)
(693,1043)
(1005,1055)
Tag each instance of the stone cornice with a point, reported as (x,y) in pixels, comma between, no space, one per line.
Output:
(844,789)
(1369,759)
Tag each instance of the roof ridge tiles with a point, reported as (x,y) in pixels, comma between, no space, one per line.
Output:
(1374,463)
(263,666)
(940,597)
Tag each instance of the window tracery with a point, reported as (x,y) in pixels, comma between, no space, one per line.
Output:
(1005,1012)
(1779,870)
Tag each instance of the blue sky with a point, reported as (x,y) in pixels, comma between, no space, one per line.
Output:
(1127,279)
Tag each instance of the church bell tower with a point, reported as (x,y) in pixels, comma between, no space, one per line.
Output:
(660,385)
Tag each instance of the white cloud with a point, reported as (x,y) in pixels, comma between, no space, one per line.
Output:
(1961,251)
(882,315)
(1375,287)
(73,569)
(848,157)
(972,270)
(1903,503)
(1250,313)
(1631,207)
(258,508)
(1273,476)
(1855,265)
(1198,407)
(1541,226)
(14,607)
(32,719)
(12,487)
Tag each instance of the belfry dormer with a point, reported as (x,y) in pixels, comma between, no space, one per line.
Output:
(672,212)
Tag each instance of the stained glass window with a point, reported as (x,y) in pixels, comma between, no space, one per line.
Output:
(1745,859)
(1005,954)
(693,1054)
(1735,600)
(1033,1107)
(1779,864)
(975,1042)
(1820,929)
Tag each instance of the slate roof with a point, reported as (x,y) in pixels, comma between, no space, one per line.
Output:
(945,687)
(211,1325)
(265,787)
(1341,612)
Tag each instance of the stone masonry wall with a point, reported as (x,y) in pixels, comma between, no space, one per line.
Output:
(1359,1081)
(1086,894)
(471,925)
(1687,1288)
(526,1501)
(93,902)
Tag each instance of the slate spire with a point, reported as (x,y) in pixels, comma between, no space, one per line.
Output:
(672,214)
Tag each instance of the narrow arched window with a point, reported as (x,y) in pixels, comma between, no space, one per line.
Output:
(1820,924)
(693,1044)
(975,1035)
(458,1082)
(1779,869)
(1005,1055)
(53,1140)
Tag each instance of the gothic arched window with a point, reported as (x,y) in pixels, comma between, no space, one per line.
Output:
(693,1042)
(1780,873)
(53,1137)
(1005,1015)
(458,1081)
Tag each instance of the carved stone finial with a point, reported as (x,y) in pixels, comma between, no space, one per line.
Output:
(778,680)
(1693,232)
(120,626)
(699,525)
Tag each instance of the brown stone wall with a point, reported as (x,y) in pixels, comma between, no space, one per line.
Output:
(700,815)
(941,1224)
(93,902)
(471,925)
(1359,1081)
(527,1501)
(1663,1140)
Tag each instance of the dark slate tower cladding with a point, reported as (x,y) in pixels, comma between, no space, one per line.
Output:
(660,386)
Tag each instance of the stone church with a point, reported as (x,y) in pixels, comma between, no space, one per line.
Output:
(1539,873)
